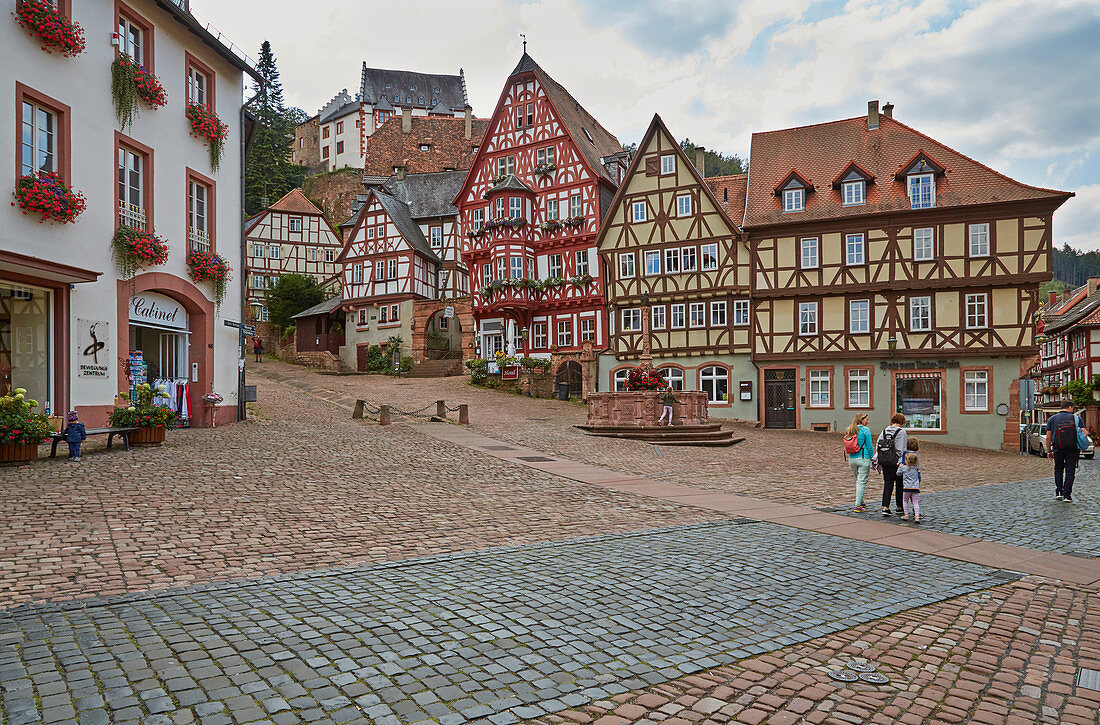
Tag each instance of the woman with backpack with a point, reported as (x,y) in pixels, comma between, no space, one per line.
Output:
(889,452)
(860,449)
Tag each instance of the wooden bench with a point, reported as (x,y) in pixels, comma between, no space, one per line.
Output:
(124,433)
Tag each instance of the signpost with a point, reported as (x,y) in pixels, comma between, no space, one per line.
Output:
(242,331)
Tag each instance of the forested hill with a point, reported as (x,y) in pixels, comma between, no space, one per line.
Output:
(1074,267)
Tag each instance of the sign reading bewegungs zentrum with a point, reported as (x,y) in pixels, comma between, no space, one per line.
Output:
(93,348)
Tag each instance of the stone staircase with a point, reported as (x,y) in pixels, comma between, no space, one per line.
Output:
(704,434)
(437,369)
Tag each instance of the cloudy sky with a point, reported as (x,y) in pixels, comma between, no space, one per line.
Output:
(1013,83)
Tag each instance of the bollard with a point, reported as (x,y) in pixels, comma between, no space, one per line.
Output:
(441,409)
(464,414)
(358,412)
(383,415)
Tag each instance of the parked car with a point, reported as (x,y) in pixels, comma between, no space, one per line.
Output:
(1037,442)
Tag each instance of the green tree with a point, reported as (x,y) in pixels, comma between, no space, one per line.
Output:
(269,172)
(717,163)
(292,294)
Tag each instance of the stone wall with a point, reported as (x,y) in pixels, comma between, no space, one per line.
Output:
(336,192)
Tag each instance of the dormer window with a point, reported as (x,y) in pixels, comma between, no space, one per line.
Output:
(852,183)
(922,191)
(853,192)
(794,199)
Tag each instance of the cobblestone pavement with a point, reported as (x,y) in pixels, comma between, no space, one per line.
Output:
(1021,514)
(300,487)
(1009,657)
(509,633)
(816,476)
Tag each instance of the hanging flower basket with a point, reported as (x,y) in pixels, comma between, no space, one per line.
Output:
(134,249)
(209,267)
(44,194)
(551,226)
(131,84)
(56,32)
(206,125)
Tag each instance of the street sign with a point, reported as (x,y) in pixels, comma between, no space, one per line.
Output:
(245,329)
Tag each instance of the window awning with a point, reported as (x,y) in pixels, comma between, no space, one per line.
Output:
(44,269)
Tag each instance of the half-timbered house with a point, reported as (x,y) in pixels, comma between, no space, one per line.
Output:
(1069,346)
(530,209)
(892,274)
(290,236)
(677,269)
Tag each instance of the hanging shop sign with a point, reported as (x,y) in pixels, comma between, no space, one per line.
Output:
(151,308)
(93,348)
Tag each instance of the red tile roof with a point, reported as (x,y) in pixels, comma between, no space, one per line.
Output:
(730,193)
(821,151)
(389,146)
(295,202)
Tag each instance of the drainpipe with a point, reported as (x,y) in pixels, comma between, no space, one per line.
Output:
(241,412)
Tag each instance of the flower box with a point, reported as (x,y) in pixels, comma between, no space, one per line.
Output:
(209,267)
(18,452)
(206,125)
(55,31)
(147,436)
(131,84)
(44,194)
(134,249)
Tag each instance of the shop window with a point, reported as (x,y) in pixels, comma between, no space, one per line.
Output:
(917,397)
(714,381)
(26,342)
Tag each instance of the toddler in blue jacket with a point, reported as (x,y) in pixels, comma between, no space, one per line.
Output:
(74,434)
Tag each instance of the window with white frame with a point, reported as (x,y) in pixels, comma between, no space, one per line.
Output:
(714,381)
(979,240)
(391,268)
(807,318)
(657,317)
(515,267)
(258,251)
(554,265)
(274,251)
(380,270)
(565,333)
(357,274)
(977,311)
(295,224)
(673,377)
(740,313)
(859,317)
(859,388)
(853,192)
(330,255)
(626,264)
(552,206)
(637,211)
(688,261)
(652,263)
(854,249)
(363,316)
(794,199)
(477,218)
(380,230)
(697,314)
(718,314)
(131,184)
(394,313)
(502,268)
(370,232)
(588,329)
(131,39)
(809,253)
(683,205)
(820,384)
(668,164)
(920,314)
(258,281)
(39,140)
(709,257)
(620,379)
(631,319)
(197,224)
(530,268)
(672,261)
(580,262)
(922,191)
(544,155)
(383,314)
(435,236)
(538,336)
(515,207)
(976,390)
(924,244)
(676,316)
(575,205)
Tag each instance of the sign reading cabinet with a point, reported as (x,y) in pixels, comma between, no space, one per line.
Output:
(157,310)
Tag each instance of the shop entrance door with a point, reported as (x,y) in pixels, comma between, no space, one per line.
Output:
(780,390)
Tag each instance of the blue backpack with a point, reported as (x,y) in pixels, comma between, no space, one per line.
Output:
(1083,441)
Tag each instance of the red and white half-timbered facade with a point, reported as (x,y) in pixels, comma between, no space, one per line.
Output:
(529,211)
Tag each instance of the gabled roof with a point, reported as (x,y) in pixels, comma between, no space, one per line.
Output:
(818,151)
(397,86)
(1079,306)
(852,168)
(398,211)
(511,182)
(796,177)
(322,308)
(729,191)
(389,146)
(921,163)
(253,220)
(593,140)
(296,202)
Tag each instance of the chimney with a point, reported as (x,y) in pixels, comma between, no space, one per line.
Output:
(469,123)
(1092,285)
(888,110)
(1052,297)
(406,120)
(700,160)
(872,115)
(1065,294)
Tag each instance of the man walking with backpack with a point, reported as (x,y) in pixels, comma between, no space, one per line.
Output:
(889,452)
(1063,449)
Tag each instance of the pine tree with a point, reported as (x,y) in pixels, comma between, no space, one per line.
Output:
(269,172)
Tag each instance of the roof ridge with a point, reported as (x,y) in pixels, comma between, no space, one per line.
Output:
(809,125)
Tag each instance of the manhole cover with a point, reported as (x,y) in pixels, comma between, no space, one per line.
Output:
(860,666)
(844,676)
(875,678)
(534,459)
(1088,679)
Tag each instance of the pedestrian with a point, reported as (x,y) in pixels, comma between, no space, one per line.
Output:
(257,348)
(891,446)
(668,399)
(74,434)
(1063,450)
(860,449)
(910,486)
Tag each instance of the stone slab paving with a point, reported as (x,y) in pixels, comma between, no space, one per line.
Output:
(1009,655)
(1022,514)
(504,634)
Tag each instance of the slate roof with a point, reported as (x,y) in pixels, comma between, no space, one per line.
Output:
(340,112)
(389,146)
(295,202)
(730,193)
(1065,313)
(428,195)
(593,140)
(819,152)
(252,221)
(411,84)
(410,230)
(322,308)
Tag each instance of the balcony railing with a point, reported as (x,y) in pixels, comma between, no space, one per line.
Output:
(130,215)
(198,240)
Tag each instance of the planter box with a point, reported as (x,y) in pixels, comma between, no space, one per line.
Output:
(18,453)
(147,436)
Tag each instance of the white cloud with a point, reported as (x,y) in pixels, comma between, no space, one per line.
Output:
(1078,221)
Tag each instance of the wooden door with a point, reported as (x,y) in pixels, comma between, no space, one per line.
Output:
(780,398)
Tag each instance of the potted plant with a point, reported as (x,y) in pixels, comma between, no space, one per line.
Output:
(206,125)
(144,413)
(45,21)
(44,194)
(133,249)
(131,84)
(21,429)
